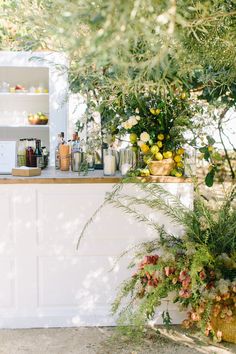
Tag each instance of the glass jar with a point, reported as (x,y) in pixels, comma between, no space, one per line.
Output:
(189,161)
(109,162)
(90,161)
(127,160)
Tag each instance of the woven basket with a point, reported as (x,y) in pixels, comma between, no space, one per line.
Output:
(161,168)
(227,328)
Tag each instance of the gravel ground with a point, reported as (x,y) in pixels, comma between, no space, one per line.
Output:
(101,341)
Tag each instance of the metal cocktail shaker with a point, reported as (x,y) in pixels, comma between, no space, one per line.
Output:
(77,158)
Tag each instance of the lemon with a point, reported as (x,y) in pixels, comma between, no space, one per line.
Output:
(133,138)
(180,164)
(159,144)
(147,159)
(160,136)
(154,149)
(210,148)
(152,110)
(157,111)
(167,154)
(144,148)
(177,158)
(159,156)
(145,172)
(178,174)
(180,151)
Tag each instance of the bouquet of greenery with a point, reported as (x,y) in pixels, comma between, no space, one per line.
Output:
(155,124)
(198,268)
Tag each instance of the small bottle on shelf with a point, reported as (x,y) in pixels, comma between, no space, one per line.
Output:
(21,153)
(39,155)
(57,153)
(77,155)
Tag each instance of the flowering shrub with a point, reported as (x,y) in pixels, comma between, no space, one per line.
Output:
(198,268)
(155,124)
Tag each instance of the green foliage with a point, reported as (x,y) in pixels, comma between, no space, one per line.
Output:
(192,266)
(126,46)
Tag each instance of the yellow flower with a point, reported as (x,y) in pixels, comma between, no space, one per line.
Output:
(180,151)
(159,144)
(159,156)
(177,158)
(152,110)
(183,96)
(157,111)
(160,136)
(144,148)
(144,137)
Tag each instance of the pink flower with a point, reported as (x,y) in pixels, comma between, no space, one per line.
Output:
(149,260)
(195,317)
(184,293)
(169,271)
(186,282)
(182,275)
(202,275)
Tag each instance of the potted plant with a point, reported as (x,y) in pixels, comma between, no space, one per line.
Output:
(197,270)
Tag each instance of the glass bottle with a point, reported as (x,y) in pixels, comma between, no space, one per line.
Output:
(39,155)
(57,153)
(21,153)
(77,155)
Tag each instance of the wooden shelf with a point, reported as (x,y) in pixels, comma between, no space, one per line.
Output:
(25,126)
(23,94)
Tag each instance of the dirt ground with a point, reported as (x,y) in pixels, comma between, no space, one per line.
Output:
(100,340)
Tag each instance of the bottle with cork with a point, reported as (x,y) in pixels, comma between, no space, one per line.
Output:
(64,154)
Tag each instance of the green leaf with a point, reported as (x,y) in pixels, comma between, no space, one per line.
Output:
(210,140)
(209,179)
(206,152)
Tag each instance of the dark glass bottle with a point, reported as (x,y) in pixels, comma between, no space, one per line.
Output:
(39,155)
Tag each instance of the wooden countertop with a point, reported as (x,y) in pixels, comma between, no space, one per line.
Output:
(52,176)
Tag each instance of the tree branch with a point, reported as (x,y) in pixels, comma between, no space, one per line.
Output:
(220,129)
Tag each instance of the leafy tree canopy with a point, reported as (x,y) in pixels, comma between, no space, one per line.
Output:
(122,46)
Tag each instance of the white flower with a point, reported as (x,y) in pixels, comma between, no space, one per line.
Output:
(132,120)
(137,118)
(223,286)
(145,137)
(129,125)
(140,143)
(125,125)
(137,110)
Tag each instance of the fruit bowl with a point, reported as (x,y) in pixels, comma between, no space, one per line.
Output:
(161,168)
(38,119)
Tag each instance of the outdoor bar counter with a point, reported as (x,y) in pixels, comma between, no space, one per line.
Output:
(45,280)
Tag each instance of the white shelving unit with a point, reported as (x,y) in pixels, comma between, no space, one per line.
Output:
(34,69)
